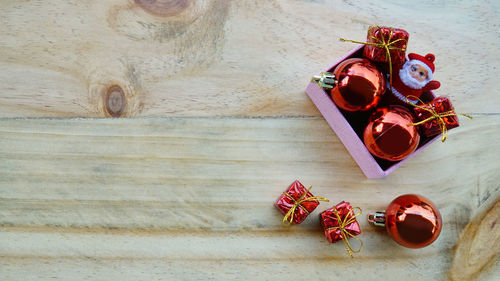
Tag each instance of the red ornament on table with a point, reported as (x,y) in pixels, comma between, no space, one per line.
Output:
(339,223)
(413,78)
(356,84)
(296,203)
(411,220)
(390,133)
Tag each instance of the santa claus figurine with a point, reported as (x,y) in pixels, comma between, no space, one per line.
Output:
(414,77)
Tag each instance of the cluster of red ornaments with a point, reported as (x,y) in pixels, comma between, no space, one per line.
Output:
(387,84)
(411,220)
(386,97)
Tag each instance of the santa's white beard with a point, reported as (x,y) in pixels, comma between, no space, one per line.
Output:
(408,80)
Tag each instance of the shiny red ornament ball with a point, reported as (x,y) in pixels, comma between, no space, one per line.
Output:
(360,85)
(413,221)
(389,134)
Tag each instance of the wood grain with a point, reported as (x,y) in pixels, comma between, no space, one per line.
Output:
(193,197)
(478,246)
(219,57)
(185,190)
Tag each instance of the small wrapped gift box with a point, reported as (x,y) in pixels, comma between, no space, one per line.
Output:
(339,223)
(331,220)
(349,126)
(296,203)
(445,113)
(395,38)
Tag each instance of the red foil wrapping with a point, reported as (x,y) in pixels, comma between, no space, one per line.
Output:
(433,127)
(379,35)
(288,199)
(329,220)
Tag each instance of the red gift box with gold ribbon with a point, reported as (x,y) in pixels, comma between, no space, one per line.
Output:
(433,126)
(339,223)
(396,40)
(296,203)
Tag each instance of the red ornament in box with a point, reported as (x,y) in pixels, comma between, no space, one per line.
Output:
(360,85)
(433,126)
(395,39)
(339,223)
(296,203)
(390,133)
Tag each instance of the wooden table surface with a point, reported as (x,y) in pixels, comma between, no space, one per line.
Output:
(221,126)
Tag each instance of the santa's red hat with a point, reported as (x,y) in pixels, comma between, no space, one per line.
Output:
(427,62)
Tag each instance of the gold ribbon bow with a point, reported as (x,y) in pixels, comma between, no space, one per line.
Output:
(342,225)
(381,43)
(435,115)
(288,219)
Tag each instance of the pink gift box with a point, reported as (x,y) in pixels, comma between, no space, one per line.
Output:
(349,126)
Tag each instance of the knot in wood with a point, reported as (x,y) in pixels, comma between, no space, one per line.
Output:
(115,101)
(164,8)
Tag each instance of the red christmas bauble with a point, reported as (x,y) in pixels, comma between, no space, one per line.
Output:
(389,134)
(360,85)
(413,221)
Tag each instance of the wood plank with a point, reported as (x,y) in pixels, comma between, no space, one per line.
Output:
(192,197)
(221,58)
(473,254)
